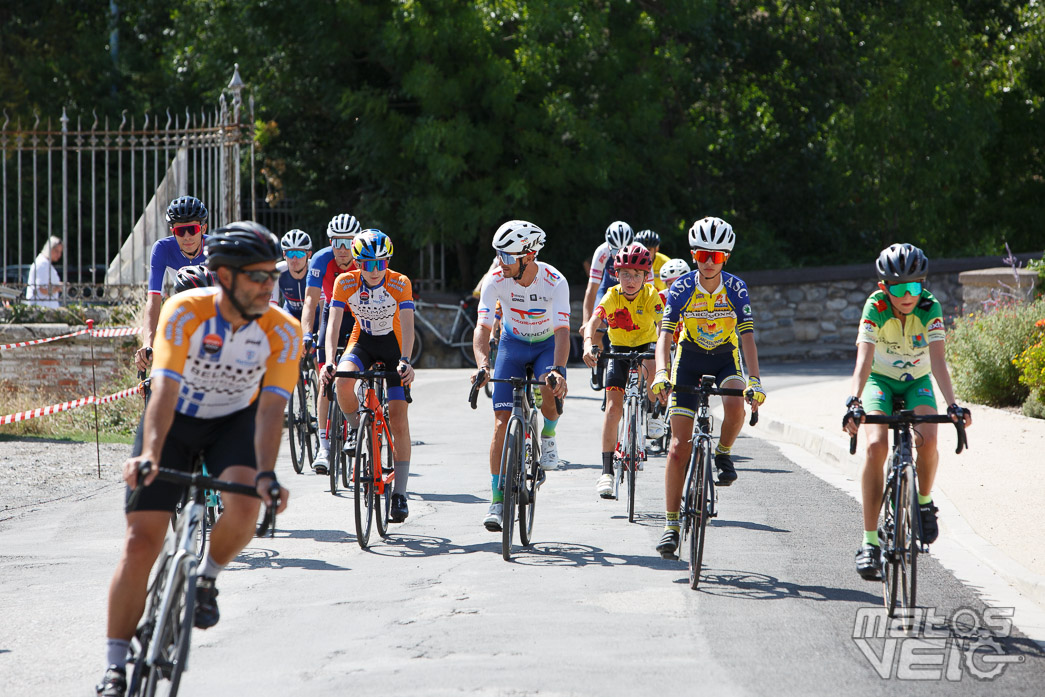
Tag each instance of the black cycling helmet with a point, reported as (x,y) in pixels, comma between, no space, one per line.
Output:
(648,239)
(241,244)
(186,209)
(193,277)
(899,263)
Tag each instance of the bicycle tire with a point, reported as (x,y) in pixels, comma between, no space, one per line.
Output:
(175,631)
(348,463)
(886,539)
(699,523)
(419,346)
(464,340)
(201,538)
(336,426)
(633,457)
(297,413)
(311,413)
(910,540)
(528,501)
(383,500)
(511,457)
(364,482)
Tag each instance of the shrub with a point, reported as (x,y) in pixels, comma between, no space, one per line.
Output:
(981,348)
(1031,366)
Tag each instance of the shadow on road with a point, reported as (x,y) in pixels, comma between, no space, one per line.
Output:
(577,555)
(450,498)
(271,559)
(754,586)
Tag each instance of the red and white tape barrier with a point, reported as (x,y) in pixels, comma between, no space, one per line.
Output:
(100,333)
(66,406)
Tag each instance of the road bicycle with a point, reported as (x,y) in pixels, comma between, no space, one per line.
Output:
(160,646)
(302,421)
(699,499)
(900,530)
(460,334)
(374,470)
(630,452)
(521,471)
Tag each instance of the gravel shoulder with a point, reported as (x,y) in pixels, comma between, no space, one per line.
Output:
(38,471)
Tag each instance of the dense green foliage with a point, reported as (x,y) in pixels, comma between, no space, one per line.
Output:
(821,130)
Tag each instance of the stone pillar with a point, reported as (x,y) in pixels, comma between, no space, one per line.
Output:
(985,287)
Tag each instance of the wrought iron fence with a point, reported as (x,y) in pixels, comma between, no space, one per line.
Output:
(103,189)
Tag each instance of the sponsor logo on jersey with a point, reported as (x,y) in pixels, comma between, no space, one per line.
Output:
(364,296)
(935,325)
(869,325)
(881,305)
(212,343)
(528,314)
(918,341)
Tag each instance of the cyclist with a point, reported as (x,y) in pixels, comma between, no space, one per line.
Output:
(632,309)
(618,234)
(651,241)
(901,327)
(189,277)
(323,270)
(382,302)
(714,310)
(187,221)
(671,271)
(297,251)
(225,363)
(535,329)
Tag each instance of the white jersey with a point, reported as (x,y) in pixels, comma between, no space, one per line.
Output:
(529,313)
(598,263)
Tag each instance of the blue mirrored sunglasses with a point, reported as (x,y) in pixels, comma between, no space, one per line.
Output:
(295,254)
(898,290)
(372,265)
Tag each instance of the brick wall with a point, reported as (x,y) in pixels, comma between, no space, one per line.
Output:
(62,370)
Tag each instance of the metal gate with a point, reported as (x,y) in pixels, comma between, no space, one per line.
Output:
(103,190)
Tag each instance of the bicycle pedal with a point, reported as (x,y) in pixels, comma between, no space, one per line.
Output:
(670,556)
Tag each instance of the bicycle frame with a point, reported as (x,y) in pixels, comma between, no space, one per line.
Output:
(630,452)
(374,406)
(461,320)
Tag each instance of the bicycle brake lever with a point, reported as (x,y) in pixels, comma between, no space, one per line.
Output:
(754,417)
(473,395)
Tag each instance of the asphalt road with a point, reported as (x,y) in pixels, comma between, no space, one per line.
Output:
(589,609)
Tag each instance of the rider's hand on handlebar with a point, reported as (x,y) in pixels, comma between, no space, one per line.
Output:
(487,373)
(307,343)
(591,356)
(559,388)
(326,376)
(130,470)
(853,418)
(661,386)
(958,413)
(406,372)
(755,394)
(143,357)
(264,487)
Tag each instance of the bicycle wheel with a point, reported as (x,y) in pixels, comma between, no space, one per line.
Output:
(383,501)
(364,481)
(908,565)
(311,416)
(172,633)
(511,463)
(701,511)
(336,426)
(296,414)
(887,536)
(419,345)
(633,463)
(348,462)
(531,479)
(463,339)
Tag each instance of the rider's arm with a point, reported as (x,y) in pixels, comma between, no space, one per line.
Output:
(159,415)
(268,433)
(747,346)
(938,361)
(589,301)
(486,317)
(333,331)
(308,309)
(152,317)
(481,346)
(663,350)
(864,361)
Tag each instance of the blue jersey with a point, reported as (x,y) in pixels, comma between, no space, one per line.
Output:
(293,292)
(709,320)
(323,271)
(167,259)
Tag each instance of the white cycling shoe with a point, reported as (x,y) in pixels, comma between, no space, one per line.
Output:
(494,517)
(549,453)
(605,486)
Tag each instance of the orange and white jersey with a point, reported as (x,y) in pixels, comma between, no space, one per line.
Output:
(221,371)
(376,308)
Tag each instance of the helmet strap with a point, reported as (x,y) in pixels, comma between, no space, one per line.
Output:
(231,295)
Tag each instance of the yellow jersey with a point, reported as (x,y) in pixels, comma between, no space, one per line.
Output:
(631,322)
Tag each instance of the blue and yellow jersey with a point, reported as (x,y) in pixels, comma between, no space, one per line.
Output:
(221,371)
(708,320)
(901,351)
(631,322)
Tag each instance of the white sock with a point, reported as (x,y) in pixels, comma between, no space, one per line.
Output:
(116,652)
(211,568)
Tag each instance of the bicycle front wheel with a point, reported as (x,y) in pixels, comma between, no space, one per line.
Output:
(173,633)
(633,463)
(383,494)
(364,481)
(888,537)
(908,566)
(336,426)
(297,413)
(701,511)
(511,467)
(530,480)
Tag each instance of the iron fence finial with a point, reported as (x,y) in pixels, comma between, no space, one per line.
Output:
(65,121)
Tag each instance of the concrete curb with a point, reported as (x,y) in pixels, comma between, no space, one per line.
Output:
(835,451)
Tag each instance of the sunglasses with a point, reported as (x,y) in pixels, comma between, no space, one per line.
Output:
(187,229)
(341,243)
(372,264)
(702,256)
(259,276)
(898,290)
(295,254)
(509,259)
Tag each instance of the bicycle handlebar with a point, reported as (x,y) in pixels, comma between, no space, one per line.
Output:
(711,390)
(473,394)
(625,356)
(910,418)
(202,481)
(373,373)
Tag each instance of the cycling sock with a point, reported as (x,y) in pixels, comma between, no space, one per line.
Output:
(549,428)
(871,537)
(324,442)
(116,652)
(353,420)
(498,495)
(607,462)
(211,568)
(723,449)
(673,520)
(402,475)
(922,500)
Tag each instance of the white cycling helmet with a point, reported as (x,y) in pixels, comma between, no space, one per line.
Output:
(343,225)
(619,234)
(518,237)
(713,234)
(295,239)
(673,268)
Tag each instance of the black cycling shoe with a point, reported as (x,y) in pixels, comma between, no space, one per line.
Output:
(869,562)
(727,473)
(669,542)
(399,511)
(114,684)
(930,530)
(207,614)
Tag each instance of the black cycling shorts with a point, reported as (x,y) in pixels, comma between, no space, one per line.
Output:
(370,349)
(617,370)
(690,366)
(223,442)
